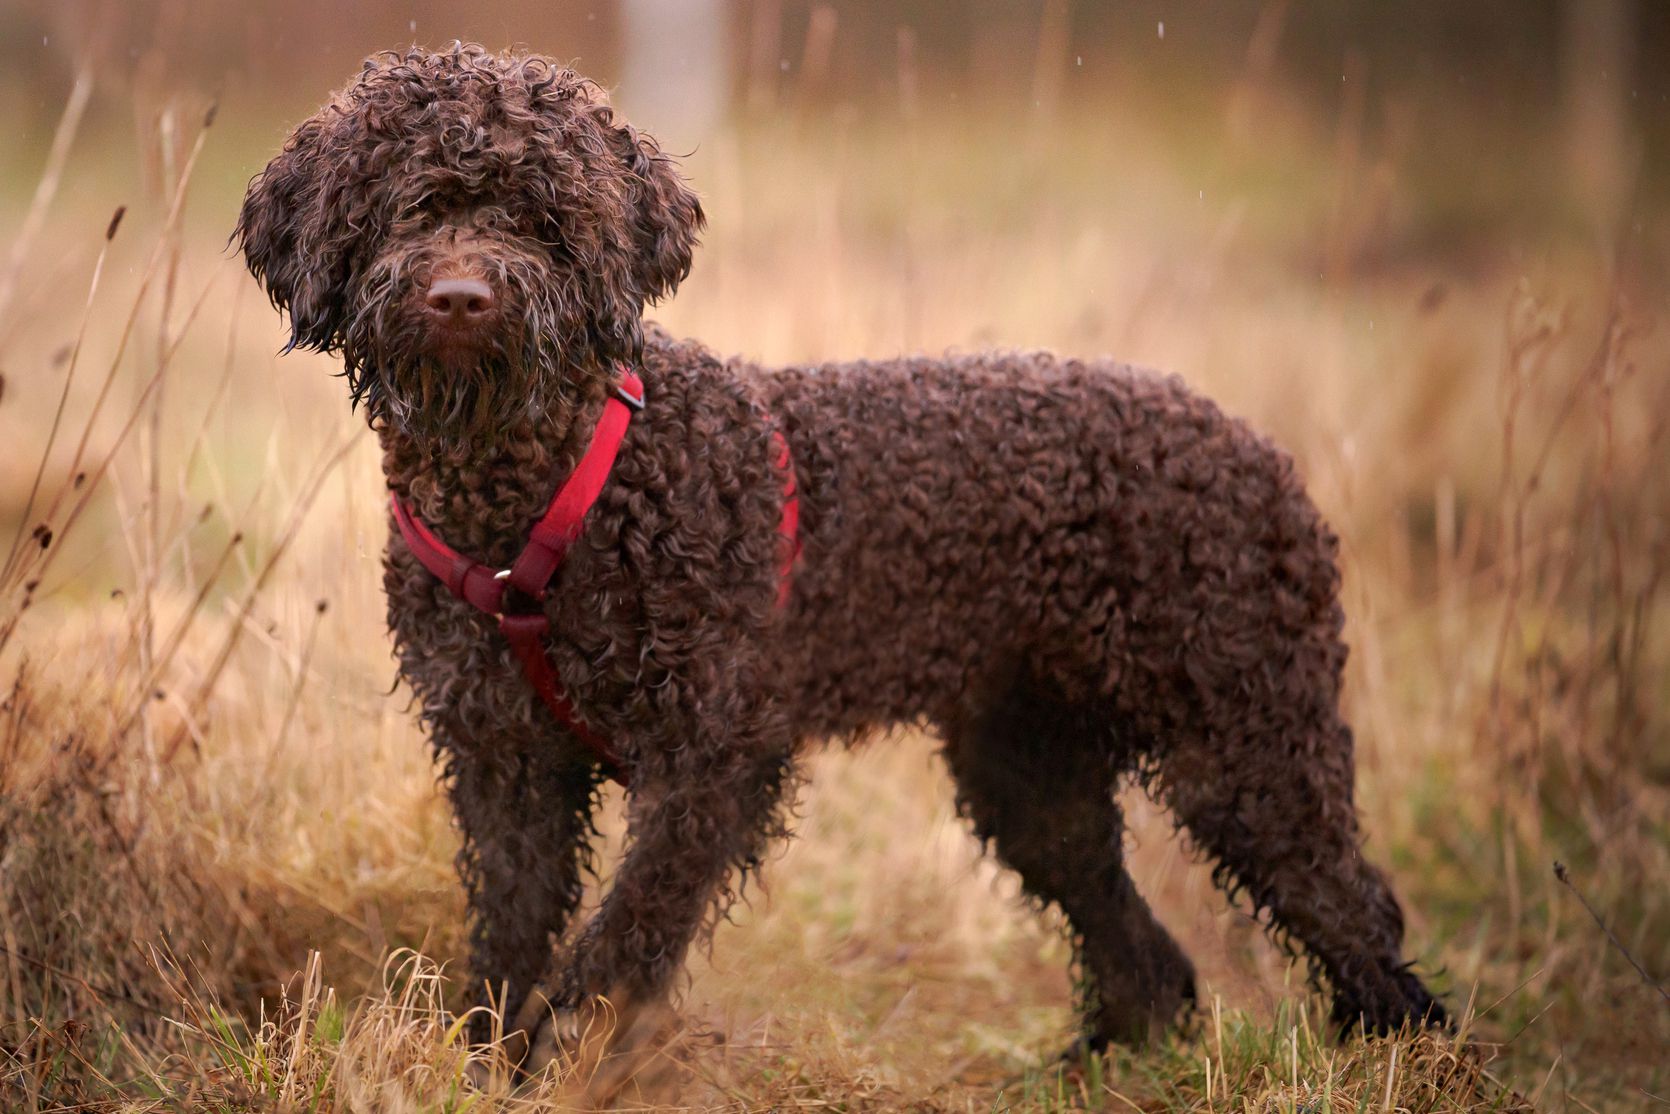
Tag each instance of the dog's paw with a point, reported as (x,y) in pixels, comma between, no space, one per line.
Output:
(570,1039)
(584,1053)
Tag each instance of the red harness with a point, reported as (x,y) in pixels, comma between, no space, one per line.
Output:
(530,574)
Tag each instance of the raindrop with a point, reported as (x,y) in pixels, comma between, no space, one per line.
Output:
(1161,27)
(1079,60)
(412,26)
(783,65)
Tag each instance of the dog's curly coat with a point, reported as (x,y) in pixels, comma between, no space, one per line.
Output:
(1074,572)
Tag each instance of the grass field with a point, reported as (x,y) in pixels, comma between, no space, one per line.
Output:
(225,867)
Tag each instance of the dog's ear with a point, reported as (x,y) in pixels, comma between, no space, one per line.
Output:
(657,219)
(665,215)
(300,223)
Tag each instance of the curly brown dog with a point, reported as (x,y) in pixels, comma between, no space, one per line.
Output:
(1075,572)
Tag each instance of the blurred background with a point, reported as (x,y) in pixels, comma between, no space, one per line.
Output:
(1426,246)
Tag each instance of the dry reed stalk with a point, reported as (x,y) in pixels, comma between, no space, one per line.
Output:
(46,187)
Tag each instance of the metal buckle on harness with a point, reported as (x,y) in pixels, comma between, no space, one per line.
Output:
(636,402)
(503,575)
(534,598)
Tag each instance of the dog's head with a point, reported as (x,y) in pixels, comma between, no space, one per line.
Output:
(475,234)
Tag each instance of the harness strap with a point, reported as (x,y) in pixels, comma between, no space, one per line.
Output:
(530,573)
(526,635)
(561,523)
(788,527)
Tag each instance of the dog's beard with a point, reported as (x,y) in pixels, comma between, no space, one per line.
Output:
(474,399)
(451,407)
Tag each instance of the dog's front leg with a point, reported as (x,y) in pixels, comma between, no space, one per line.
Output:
(697,816)
(525,817)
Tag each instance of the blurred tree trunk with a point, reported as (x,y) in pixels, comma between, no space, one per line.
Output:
(1596,78)
(676,68)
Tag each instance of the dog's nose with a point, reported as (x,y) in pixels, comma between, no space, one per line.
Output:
(459,299)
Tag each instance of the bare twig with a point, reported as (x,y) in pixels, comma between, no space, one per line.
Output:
(47,187)
(104,994)
(63,396)
(298,511)
(1564,876)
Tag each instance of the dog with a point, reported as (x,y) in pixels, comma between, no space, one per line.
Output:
(1074,572)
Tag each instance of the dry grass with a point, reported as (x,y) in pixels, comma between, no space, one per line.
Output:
(211,814)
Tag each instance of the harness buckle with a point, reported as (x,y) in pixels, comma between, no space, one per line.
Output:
(509,608)
(636,402)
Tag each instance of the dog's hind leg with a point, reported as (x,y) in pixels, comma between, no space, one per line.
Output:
(1270,796)
(526,819)
(1037,780)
